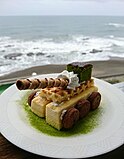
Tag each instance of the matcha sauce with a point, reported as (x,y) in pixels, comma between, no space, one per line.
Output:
(83,126)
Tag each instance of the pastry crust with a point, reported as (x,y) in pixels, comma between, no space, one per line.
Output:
(58,94)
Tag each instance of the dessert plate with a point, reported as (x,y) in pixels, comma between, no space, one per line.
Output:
(107,136)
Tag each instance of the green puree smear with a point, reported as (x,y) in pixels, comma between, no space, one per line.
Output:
(83,126)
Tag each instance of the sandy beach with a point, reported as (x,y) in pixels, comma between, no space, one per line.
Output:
(112,69)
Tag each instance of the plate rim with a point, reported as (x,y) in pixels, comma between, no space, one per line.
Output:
(29,150)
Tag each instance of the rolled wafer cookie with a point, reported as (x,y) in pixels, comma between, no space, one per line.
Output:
(41,83)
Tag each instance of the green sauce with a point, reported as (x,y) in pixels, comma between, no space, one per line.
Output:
(83,126)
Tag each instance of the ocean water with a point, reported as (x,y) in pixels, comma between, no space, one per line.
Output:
(27,41)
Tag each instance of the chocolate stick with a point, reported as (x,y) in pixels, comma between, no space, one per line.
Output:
(41,83)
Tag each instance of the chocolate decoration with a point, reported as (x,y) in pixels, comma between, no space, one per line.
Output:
(84,107)
(70,118)
(94,100)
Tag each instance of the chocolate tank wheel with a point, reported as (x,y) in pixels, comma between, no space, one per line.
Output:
(94,100)
(84,107)
(31,96)
(70,118)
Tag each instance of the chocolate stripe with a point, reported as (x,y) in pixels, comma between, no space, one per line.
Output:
(38,83)
(50,82)
(30,82)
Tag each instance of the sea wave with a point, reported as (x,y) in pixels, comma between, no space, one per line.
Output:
(117,25)
(17,54)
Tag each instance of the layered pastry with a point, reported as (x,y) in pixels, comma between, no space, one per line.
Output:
(64,100)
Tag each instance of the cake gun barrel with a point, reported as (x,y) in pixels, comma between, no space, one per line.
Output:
(41,83)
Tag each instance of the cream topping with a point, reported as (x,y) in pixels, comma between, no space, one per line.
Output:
(55,104)
(62,114)
(37,93)
(73,79)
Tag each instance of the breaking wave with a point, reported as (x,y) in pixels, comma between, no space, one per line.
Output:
(117,25)
(17,54)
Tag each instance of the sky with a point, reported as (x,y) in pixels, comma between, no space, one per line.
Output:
(62,7)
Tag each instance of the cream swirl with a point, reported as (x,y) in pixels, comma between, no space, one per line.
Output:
(73,79)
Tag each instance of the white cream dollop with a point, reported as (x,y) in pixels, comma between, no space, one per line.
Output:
(73,79)
(55,104)
(62,114)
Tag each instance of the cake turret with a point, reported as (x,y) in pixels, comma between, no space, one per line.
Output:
(83,70)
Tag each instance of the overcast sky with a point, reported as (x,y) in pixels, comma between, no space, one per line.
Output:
(62,7)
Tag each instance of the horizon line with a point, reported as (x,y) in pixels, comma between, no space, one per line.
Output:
(63,15)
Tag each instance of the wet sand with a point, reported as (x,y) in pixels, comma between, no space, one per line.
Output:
(113,68)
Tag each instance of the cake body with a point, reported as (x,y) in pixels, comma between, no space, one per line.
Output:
(38,106)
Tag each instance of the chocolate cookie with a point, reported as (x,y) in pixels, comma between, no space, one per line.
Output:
(84,107)
(70,118)
(94,100)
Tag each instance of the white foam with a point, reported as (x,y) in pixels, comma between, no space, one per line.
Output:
(117,25)
(76,48)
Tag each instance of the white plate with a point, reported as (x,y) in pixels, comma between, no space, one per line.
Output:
(104,138)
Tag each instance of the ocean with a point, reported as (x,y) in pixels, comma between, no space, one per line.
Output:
(27,41)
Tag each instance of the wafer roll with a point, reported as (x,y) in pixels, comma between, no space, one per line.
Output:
(41,83)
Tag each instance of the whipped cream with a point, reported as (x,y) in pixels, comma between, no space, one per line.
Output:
(73,79)
(37,93)
(55,104)
(62,114)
